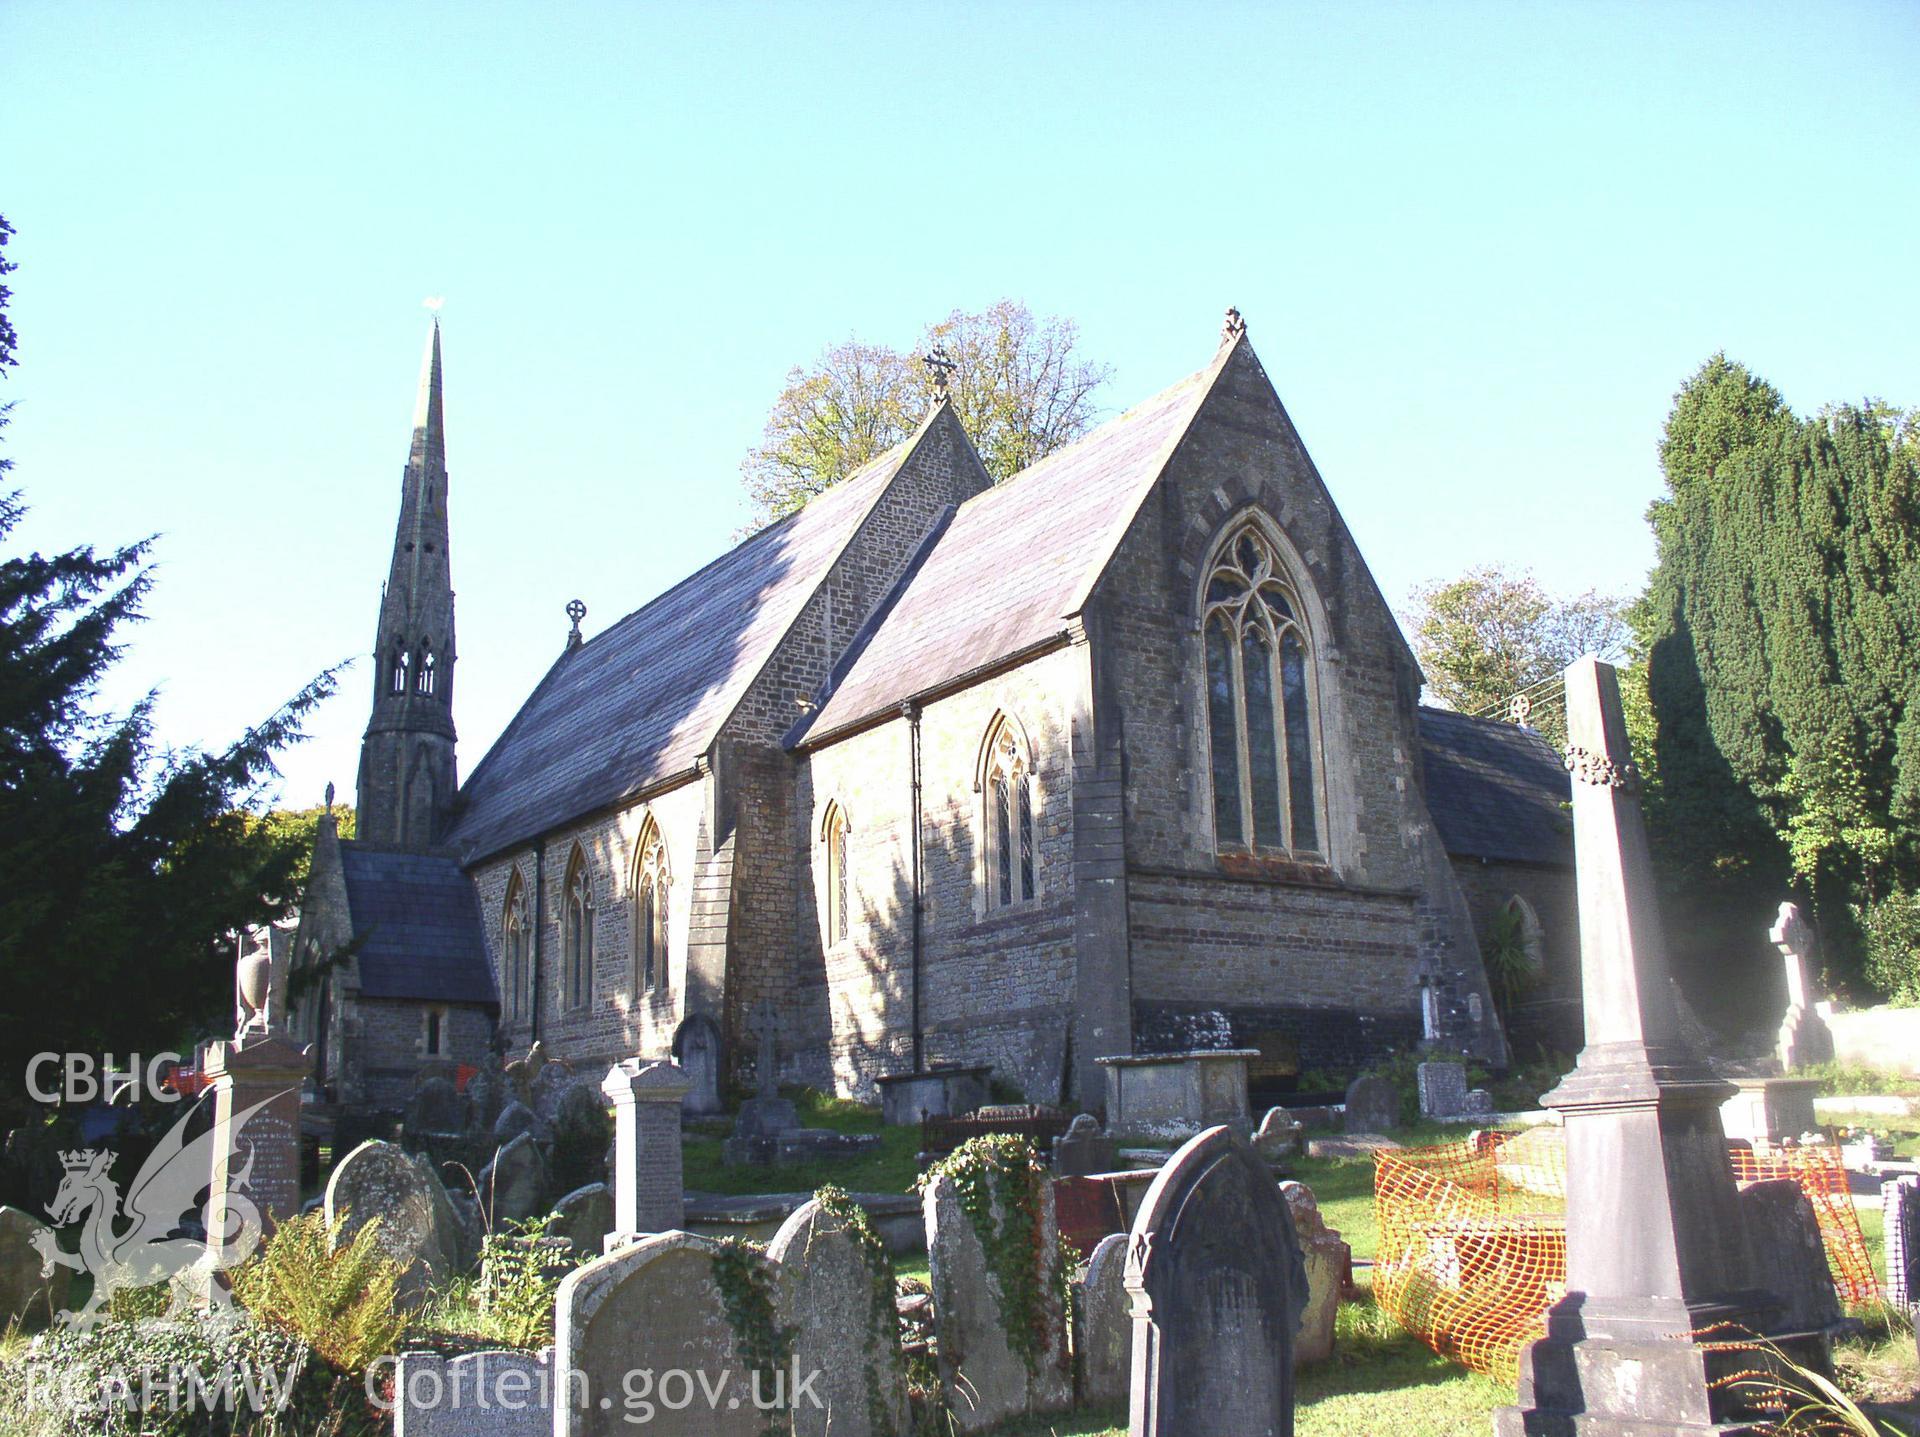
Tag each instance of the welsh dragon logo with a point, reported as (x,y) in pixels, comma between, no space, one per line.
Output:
(132,1241)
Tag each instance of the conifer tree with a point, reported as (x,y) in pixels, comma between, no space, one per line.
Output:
(1782,623)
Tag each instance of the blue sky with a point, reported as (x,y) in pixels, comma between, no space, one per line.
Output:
(1478,246)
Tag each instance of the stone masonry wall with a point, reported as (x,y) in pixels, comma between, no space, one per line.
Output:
(393,1044)
(1364,901)
(997,983)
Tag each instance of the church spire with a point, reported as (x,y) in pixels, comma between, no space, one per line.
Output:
(407,772)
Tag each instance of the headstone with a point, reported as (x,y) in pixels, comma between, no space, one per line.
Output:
(649,1193)
(1329,1262)
(484,1100)
(584,1217)
(379,1180)
(836,1296)
(657,1306)
(1479,1103)
(513,1187)
(581,1132)
(515,1119)
(1083,1149)
(1217,1285)
(1373,1106)
(986,1377)
(766,1116)
(457,1238)
(1900,1204)
(1656,1249)
(436,1108)
(549,1088)
(477,1394)
(25,1295)
(1443,1089)
(256,1104)
(1279,1135)
(1804,1036)
(1790,1257)
(697,1048)
(1103,1325)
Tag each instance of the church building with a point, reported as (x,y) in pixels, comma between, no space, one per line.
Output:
(1123,754)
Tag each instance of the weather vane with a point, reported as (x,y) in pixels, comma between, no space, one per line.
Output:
(940,364)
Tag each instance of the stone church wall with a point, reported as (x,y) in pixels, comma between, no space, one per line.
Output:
(617,1022)
(393,1044)
(997,984)
(1336,944)
(1549,1014)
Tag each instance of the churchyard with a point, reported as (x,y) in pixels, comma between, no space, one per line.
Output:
(1407,1261)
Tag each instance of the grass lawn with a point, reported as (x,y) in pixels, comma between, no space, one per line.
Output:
(1904,1133)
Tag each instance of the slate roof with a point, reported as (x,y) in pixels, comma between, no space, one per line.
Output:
(1014,564)
(639,702)
(418,921)
(1496,790)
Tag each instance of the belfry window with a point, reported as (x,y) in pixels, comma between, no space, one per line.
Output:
(1011,858)
(1259,702)
(650,911)
(839,878)
(423,681)
(402,668)
(514,942)
(576,931)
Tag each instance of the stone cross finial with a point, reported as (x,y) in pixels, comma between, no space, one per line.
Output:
(940,365)
(1234,327)
(766,1021)
(576,611)
(1794,939)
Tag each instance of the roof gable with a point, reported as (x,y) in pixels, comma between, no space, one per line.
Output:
(639,703)
(1014,564)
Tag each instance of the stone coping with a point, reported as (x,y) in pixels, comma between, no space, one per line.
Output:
(1888,1105)
(1748,1085)
(934,1074)
(1136,1060)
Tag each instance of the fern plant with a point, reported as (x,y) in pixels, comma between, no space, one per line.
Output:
(336,1296)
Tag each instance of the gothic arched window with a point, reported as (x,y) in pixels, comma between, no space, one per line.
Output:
(839,877)
(576,930)
(1012,859)
(650,911)
(402,668)
(423,681)
(1259,702)
(515,933)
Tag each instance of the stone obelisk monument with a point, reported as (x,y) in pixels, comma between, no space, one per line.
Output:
(1656,1249)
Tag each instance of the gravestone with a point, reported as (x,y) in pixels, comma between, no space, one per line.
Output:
(697,1048)
(1443,1089)
(1790,1257)
(1373,1106)
(1103,1325)
(1479,1103)
(764,1118)
(986,1378)
(657,1306)
(836,1295)
(1217,1285)
(1083,1149)
(477,1394)
(513,1187)
(24,1294)
(1329,1265)
(380,1180)
(1900,1204)
(549,1088)
(484,1100)
(435,1109)
(649,1193)
(455,1235)
(1804,1036)
(583,1218)
(256,1104)
(581,1133)
(1279,1136)
(1656,1249)
(517,1118)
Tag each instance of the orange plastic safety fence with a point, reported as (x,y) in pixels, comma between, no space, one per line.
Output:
(1473,1237)
(1823,1178)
